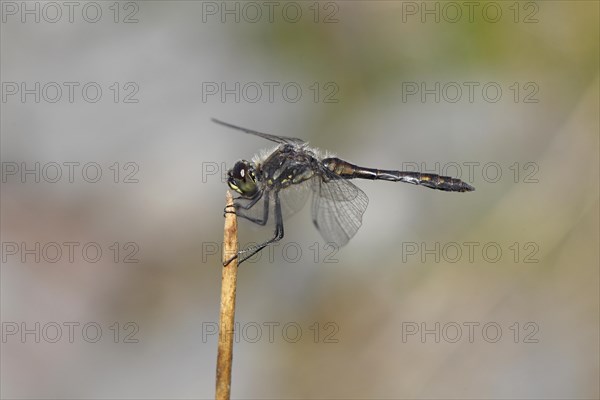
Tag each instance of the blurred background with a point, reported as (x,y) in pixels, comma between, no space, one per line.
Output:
(113,194)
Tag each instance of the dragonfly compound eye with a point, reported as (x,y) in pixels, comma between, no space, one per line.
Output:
(242,179)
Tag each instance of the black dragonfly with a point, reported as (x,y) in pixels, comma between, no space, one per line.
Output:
(278,182)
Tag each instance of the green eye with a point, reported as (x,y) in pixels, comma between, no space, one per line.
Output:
(248,186)
(242,178)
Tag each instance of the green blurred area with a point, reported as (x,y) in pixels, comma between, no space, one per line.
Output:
(371,49)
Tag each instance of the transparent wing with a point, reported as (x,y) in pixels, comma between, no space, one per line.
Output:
(337,208)
(273,138)
(294,197)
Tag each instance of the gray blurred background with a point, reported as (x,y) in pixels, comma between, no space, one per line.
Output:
(490,294)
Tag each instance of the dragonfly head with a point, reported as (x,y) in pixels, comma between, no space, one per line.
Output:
(242,178)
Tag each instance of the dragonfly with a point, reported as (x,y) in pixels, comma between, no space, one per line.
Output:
(276,184)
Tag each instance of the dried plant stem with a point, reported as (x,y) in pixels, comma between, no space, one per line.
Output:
(227,315)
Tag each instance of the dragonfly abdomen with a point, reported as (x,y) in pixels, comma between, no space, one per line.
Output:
(347,170)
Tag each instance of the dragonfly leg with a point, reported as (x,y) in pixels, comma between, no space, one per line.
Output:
(228,209)
(237,205)
(278,234)
(261,220)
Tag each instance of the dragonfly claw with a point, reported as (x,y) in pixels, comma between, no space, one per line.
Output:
(227,210)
